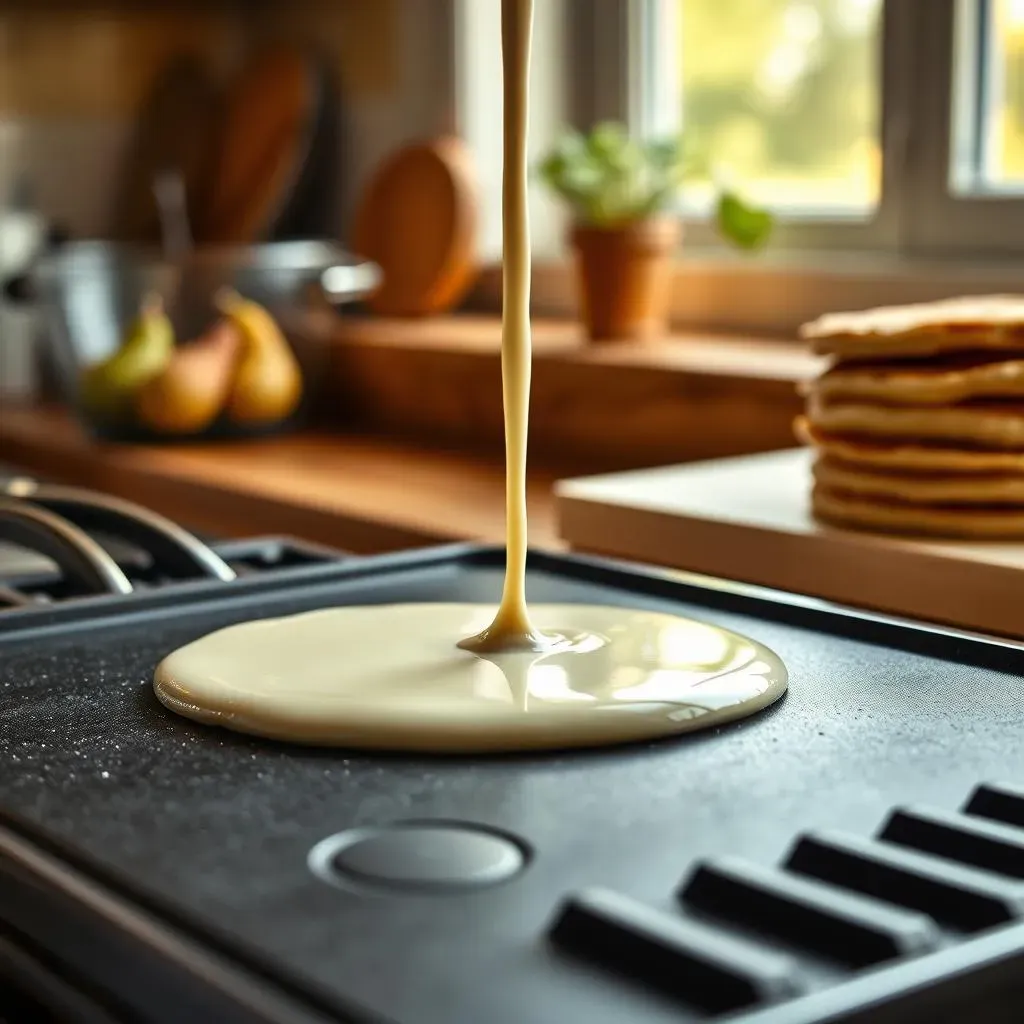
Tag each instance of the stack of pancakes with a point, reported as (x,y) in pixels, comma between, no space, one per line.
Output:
(918,421)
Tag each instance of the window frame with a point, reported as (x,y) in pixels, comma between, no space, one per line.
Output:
(939,220)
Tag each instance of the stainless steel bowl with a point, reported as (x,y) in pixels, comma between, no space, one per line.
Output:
(88,293)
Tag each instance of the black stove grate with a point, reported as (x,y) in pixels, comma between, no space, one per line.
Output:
(61,544)
(39,592)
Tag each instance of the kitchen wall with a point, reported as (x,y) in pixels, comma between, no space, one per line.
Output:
(71,79)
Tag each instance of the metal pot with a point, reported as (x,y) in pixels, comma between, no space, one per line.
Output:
(88,292)
(23,235)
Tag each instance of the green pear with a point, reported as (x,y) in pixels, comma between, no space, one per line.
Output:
(108,388)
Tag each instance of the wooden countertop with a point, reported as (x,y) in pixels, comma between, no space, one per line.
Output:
(357,493)
(594,408)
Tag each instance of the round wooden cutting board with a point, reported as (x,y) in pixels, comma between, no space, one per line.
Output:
(418,223)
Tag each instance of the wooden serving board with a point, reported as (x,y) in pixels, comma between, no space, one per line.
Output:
(748,519)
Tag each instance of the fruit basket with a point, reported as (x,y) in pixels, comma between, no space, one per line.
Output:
(152,350)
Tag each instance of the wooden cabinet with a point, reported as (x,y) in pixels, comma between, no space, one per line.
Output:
(86,61)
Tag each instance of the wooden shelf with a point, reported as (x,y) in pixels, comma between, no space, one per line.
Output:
(594,407)
(356,493)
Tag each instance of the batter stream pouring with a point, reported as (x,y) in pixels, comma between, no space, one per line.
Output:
(462,678)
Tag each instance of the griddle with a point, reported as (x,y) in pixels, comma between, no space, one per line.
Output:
(855,853)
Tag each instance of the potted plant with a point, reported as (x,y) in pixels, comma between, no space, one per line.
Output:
(624,232)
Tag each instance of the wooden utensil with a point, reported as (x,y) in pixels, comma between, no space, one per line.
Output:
(263,146)
(174,132)
(418,223)
(313,209)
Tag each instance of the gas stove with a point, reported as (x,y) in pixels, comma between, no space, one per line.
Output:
(66,550)
(853,855)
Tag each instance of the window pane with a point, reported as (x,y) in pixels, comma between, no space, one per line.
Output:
(781,97)
(1002,157)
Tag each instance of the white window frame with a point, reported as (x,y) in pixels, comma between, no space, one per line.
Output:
(477,106)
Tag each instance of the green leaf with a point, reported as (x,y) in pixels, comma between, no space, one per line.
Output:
(608,142)
(552,170)
(609,178)
(742,223)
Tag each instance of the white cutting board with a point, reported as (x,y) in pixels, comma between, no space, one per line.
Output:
(748,519)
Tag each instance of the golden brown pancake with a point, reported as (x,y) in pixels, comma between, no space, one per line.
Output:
(923,488)
(908,456)
(989,322)
(925,384)
(843,509)
(991,425)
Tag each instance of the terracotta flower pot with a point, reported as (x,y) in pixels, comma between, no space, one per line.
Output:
(624,276)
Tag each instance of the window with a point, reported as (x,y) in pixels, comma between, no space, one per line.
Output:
(865,124)
(894,156)
(791,107)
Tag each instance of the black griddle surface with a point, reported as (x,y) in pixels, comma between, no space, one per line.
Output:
(215,828)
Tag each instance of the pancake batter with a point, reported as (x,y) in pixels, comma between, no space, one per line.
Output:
(391,677)
(511,627)
(460,678)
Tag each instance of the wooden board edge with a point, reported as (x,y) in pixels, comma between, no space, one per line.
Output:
(982,597)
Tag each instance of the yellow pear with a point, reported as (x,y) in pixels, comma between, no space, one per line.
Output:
(268,380)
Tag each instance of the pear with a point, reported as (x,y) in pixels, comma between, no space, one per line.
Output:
(108,388)
(194,386)
(268,380)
